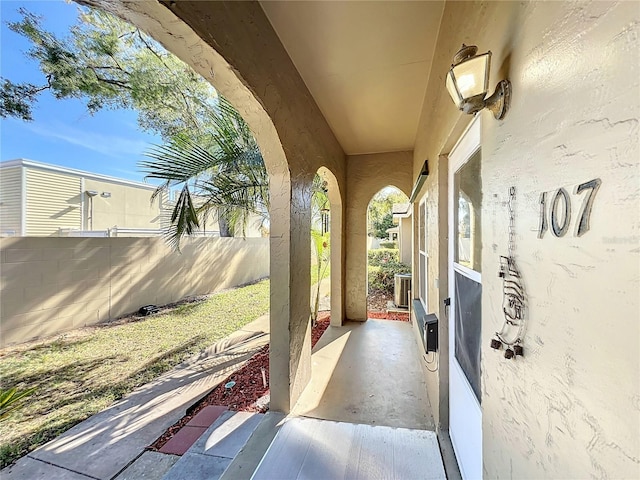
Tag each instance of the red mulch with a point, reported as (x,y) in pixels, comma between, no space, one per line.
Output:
(397,316)
(248,389)
(322,322)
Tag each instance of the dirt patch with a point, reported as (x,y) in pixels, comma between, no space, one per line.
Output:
(248,388)
(377,302)
(377,308)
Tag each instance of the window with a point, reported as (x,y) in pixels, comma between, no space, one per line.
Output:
(467,224)
(422,249)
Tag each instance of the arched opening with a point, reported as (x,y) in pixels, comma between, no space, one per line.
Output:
(185,279)
(289,357)
(290,178)
(389,236)
(327,223)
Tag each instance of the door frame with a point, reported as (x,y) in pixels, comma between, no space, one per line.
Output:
(467,145)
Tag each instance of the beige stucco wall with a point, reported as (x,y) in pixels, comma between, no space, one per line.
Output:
(127,207)
(50,285)
(405,232)
(366,176)
(569,408)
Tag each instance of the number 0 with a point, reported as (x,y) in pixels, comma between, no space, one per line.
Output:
(559,231)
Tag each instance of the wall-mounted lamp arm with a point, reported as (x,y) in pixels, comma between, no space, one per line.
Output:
(500,101)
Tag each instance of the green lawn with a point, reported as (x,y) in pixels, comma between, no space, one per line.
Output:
(314,273)
(82,373)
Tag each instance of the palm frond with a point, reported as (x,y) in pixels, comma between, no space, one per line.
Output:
(10,398)
(184,219)
(223,170)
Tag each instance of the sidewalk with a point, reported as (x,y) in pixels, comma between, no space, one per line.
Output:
(111,444)
(325,294)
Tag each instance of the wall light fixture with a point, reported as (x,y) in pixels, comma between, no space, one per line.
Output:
(468,83)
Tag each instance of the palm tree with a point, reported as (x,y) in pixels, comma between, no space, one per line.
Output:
(222,171)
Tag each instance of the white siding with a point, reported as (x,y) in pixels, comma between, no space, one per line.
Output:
(10,201)
(53,202)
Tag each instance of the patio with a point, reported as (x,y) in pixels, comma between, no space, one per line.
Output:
(368,372)
(379,415)
(363,424)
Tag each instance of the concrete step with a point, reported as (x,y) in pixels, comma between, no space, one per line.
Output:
(249,457)
(312,448)
(214,451)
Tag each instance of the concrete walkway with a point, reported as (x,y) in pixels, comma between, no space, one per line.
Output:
(366,383)
(325,294)
(370,373)
(111,444)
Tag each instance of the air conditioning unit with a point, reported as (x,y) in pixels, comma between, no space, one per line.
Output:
(401,289)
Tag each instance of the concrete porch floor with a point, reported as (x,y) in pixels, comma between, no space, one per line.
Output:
(368,372)
(363,373)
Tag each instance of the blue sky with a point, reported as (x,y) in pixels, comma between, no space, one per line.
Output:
(62,132)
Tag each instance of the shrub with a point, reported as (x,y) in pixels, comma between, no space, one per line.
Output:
(381,277)
(388,245)
(380,256)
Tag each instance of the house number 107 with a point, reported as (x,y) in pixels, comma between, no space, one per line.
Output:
(560,210)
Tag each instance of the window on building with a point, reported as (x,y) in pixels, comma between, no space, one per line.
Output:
(423,259)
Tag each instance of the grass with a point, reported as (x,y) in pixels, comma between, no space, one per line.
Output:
(80,374)
(314,273)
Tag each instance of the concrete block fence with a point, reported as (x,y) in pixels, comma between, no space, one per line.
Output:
(51,285)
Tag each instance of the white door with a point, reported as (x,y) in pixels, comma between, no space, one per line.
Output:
(465,290)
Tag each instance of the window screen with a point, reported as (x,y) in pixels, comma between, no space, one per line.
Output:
(467,331)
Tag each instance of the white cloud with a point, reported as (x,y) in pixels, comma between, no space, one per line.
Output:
(111,145)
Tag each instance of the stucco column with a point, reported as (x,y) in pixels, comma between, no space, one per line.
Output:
(233,45)
(290,257)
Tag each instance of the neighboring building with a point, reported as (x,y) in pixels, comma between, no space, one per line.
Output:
(402,218)
(393,234)
(40,199)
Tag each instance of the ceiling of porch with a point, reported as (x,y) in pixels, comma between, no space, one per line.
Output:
(366,64)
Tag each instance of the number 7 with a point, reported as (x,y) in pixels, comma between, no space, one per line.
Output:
(585,211)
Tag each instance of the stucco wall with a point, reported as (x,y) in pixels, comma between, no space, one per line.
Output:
(366,176)
(50,285)
(404,239)
(127,207)
(570,407)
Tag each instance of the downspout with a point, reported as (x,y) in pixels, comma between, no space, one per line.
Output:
(91,194)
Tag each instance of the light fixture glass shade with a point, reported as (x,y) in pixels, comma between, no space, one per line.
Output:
(469,78)
(451,88)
